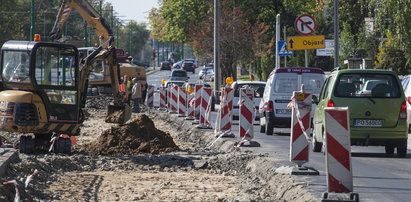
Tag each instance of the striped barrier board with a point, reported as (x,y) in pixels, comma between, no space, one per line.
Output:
(163,93)
(174,98)
(338,153)
(246,118)
(150,96)
(205,107)
(182,102)
(224,117)
(197,102)
(300,121)
(190,106)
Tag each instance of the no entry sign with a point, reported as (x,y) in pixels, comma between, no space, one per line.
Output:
(305,24)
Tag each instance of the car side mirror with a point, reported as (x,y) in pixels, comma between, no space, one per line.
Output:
(315,99)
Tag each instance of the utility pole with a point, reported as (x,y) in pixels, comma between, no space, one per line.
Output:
(33,20)
(277,38)
(285,39)
(336,34)
(217,71)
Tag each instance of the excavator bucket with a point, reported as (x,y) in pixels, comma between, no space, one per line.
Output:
(118,113)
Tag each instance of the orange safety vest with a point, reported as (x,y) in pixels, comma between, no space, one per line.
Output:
(122,88)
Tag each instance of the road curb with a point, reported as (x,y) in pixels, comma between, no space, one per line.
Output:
(7,155)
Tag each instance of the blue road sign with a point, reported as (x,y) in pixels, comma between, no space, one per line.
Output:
(282,49)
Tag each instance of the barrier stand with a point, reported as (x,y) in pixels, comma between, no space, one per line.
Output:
(197,103)
(338,156)
(246,118)
(190,104)
(173,100)
(163,93)
(150,96)
(182,102)
(301,105)
(223,122)
(301,128)
(205,109)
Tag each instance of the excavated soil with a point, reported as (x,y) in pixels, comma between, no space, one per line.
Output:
(137,136)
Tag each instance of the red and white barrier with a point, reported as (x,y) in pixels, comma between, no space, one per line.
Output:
(163,94)
(301,121)
(224,119)
(182,102)
(197,103)
(150,96)
(246,115)
(190,106)
(169,98)
(338,150)
(173,98)
(206,98)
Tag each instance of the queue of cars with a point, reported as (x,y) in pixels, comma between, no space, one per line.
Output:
(379,103)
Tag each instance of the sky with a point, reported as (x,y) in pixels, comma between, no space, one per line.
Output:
(136,10)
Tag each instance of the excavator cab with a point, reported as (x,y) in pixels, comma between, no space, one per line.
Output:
(40,82)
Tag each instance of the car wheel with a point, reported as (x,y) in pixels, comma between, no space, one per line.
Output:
(269,128)
(402,149)
(389,149)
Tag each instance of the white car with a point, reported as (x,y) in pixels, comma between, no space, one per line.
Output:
(406,85)
(257,86)
(280,86)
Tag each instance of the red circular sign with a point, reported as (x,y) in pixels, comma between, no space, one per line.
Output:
(305,24)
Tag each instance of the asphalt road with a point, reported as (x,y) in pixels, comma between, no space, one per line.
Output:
(377,177)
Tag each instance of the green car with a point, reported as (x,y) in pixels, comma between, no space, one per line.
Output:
(377,108)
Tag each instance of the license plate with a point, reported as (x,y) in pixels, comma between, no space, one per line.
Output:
(367,123)
(283,111)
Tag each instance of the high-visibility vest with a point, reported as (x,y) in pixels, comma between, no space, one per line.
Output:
(122,89)
(129,87)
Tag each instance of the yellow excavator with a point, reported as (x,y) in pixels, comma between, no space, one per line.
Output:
(99,79)
(45,86)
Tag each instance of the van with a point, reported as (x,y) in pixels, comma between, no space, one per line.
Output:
(377,108)
(278,91)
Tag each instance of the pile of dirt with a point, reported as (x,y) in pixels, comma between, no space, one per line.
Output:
(138,136)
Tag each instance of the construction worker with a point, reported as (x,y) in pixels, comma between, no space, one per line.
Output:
(122,90)
(136,95)
(127,82)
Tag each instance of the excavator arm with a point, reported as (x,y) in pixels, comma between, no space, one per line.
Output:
(119,111)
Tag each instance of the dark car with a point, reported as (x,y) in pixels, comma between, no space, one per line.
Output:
(166,65)
(189,67)
(141,63)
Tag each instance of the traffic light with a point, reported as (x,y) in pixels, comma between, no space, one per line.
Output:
(154,53)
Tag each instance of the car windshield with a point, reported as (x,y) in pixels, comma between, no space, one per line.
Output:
(258,89)
(312,83)
(367,85)
(179,74)
(286,83)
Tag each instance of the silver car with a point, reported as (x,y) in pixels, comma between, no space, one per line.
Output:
(179,75)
